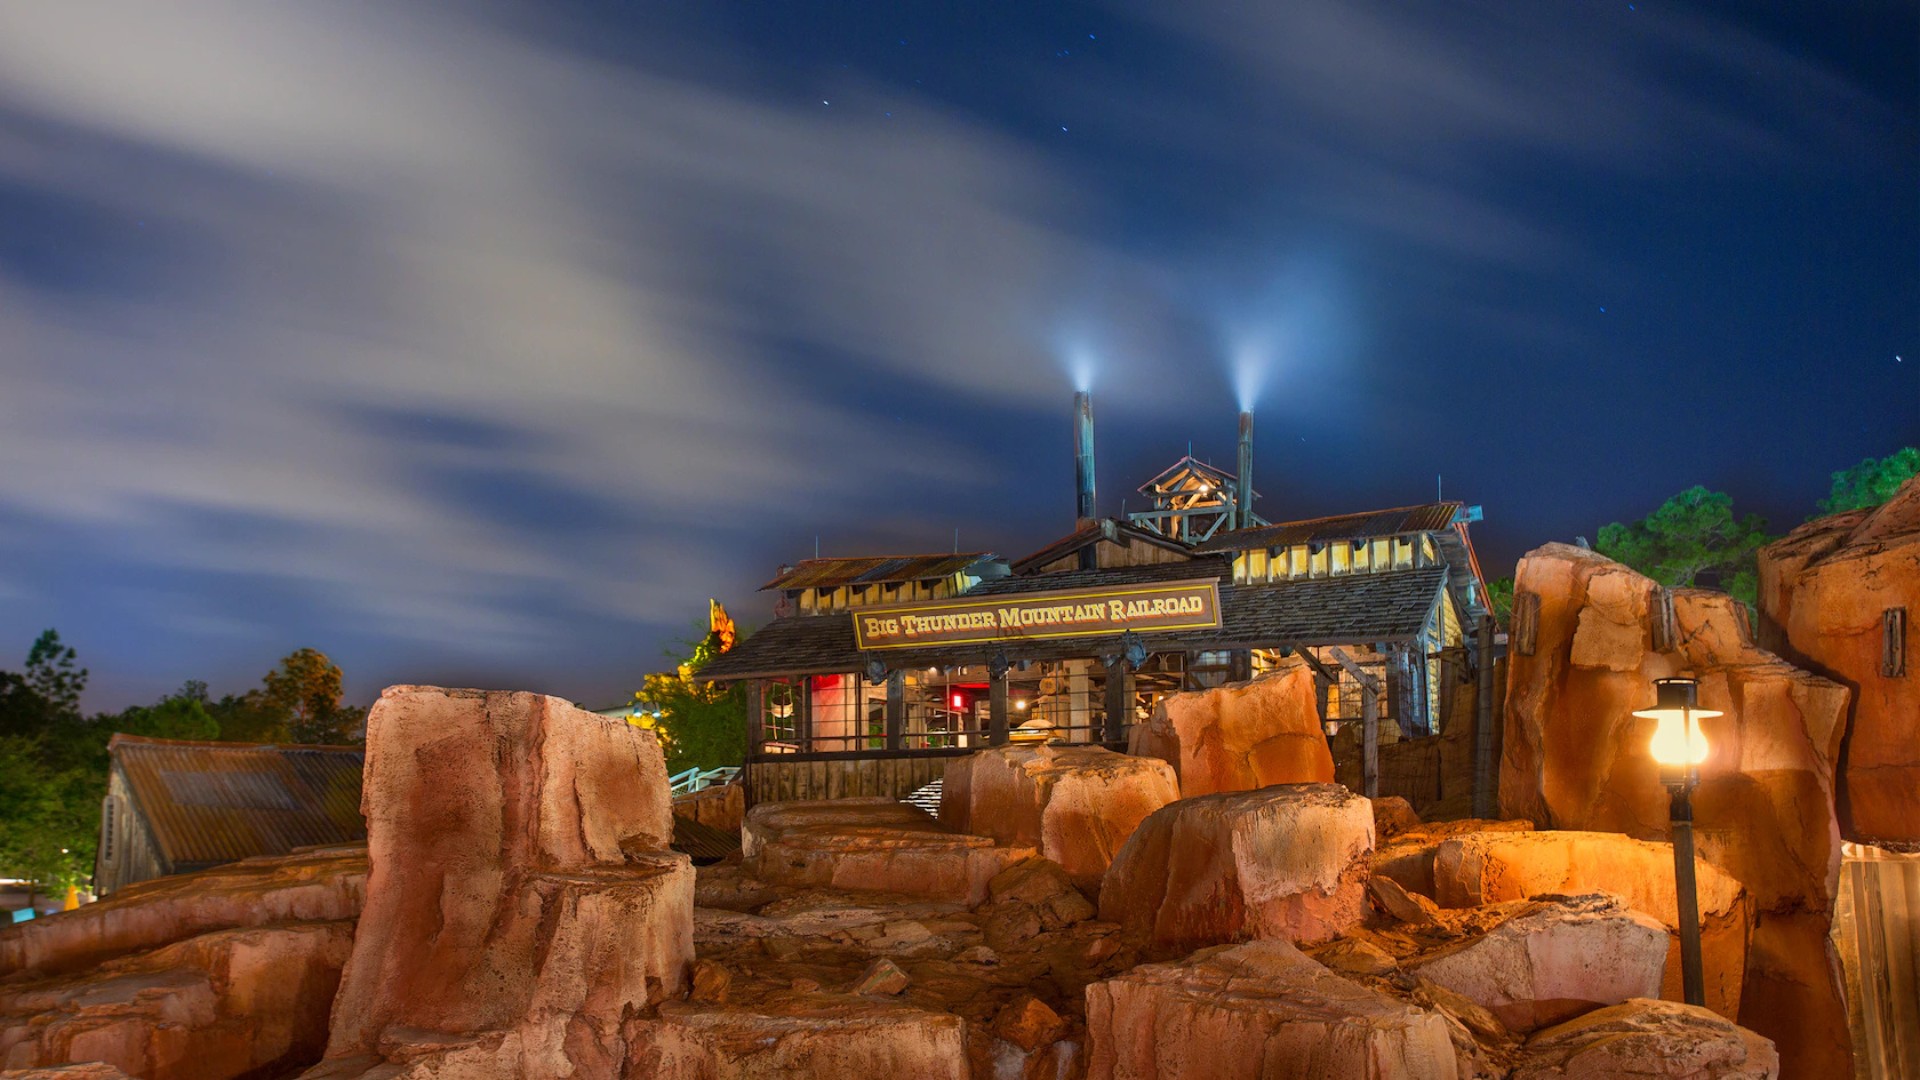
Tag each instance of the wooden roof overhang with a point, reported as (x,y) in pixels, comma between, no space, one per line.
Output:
(1112,530)
(1388,607)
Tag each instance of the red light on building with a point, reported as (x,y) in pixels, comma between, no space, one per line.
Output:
(959,701)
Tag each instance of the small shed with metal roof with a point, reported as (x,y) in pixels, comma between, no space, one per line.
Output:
(173,806)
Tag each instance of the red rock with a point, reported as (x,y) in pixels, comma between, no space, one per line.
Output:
(721,806)
(242,1002)
(1393,815)
(1241,736)
(883,976)
(1042,885)
(1397,902)
(710,983)
(1824,593)
(521,902)
(1647,1038)
(1075,804)
(1283,862)
(1408,857)
(1552,960)
(1574,757)
(90,1070)
(1261,1010)
(315,885)
(816,1037)
(874,844)
(1488,868)
(1029,1024)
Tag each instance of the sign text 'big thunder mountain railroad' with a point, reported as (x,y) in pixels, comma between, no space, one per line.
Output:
(1114,609)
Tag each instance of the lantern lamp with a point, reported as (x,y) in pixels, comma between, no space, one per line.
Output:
(1679,747)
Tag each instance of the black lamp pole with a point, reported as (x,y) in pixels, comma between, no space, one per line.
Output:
(1677,700)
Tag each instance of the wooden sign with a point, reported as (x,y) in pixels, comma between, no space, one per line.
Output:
(1113,609)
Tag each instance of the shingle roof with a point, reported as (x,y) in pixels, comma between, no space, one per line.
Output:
(874,569)
(1324,611)
(1092,532)
(1432,517)
(209,802)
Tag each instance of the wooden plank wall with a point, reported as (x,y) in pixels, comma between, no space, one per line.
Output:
(896,778)
(1876,930)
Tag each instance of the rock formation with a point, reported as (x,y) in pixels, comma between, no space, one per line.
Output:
(229,1003)
(1837,596)
(1553,959)
(873,843)
(1648,1039)
(721,806)
(1474,869)
(1575,758)
(801,1037)
(313,885)
(1283,862)
(1260,1010)
(521,903)
(1241,736)
(1075,804)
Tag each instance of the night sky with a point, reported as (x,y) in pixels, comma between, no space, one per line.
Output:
(479,344)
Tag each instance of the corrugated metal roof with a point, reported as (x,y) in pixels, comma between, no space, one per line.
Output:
(1093,532)
(1321,611)
(208,802)
(874,570)
(1431,517)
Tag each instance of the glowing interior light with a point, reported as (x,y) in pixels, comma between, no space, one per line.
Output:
(1021,705)
(1206,489)
(959,702)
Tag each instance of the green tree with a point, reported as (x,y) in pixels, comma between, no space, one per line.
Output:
(1692,534)
(298,701)
(174,717)
(1871,482)
(700,723)
(1500,599)
(48,831)
(52,674)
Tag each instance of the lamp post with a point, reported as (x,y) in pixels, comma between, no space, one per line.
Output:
(1679,747)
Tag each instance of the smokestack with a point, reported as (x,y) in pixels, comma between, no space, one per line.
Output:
(1083,472)
(1083,459)
(1244,512)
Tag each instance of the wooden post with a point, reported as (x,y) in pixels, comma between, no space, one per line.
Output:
(756,716)
(996,705)
(803,714)
(1239,665)
(1484,793)
(1369,723)
(896,709)
(1119,701)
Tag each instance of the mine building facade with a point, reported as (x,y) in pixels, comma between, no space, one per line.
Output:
(876,670)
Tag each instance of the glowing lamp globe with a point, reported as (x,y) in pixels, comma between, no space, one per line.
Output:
(1678,743)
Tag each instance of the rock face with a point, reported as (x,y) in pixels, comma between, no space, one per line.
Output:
(317,885)
(521,902)
(1825,593)
(1574,758)
(1554,959)
(1646,1038)
(1283,862)
(1241,736)
(1076,804)
(817,1037)
(230,1003)
(1261,1010)
(1473,869)
(721,806)
(876,844)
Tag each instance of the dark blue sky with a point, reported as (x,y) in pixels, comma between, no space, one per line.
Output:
(480,344)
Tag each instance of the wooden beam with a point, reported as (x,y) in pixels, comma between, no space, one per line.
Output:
(1370,740)
(1119,701)
(1314,662)
(896,708)
(1360,674)
(997,706)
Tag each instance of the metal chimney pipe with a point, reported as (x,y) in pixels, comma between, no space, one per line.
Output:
(1083,459)
(1244,512)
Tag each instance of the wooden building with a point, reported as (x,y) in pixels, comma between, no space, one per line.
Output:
(879,669)
(173,807)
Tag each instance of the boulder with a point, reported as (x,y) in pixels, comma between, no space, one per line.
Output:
(1552,959)
(825,1037)
(1393,815)
(1282,862)
(88,1070)
(240,1002)
(1574,757)
(1408,857)
(1487,868)
(1075,804)
(1240,736)
(1825,591)
(311,885)
(873,844)
(721,806)
(1648,1038)
(521,902)
(1260,1010)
